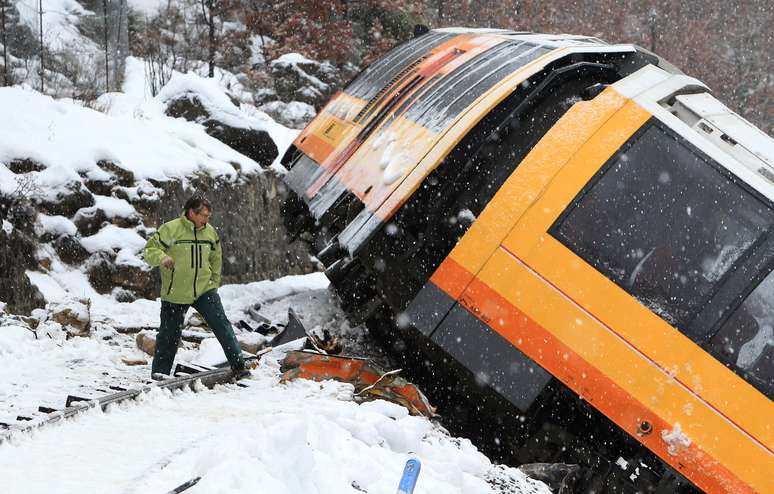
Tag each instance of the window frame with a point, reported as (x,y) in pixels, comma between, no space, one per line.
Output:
(739,300)
(736,284)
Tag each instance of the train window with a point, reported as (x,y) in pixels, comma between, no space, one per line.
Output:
(376,76)
(745,341)
(664,224)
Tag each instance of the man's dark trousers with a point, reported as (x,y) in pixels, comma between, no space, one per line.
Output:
(172,316)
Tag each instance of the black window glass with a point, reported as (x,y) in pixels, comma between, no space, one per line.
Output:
(664,224)
(745,341)
(443,101)
(377,75)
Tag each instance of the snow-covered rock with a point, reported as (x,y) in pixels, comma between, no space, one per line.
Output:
(73,315)
(148,144)
(203,101)
(297,78)
(295,114)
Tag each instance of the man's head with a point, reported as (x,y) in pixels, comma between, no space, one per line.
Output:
(198,209)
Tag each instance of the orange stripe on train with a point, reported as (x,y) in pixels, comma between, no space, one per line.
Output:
(586,380)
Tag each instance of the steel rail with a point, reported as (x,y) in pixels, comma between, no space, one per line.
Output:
(209,378)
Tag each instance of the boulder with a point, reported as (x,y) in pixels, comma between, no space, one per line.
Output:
(99,269)
(146,341)
(19,212)
(123,295)
(297,78)
(100,186)
(67,201)
(122,176)
(137,279)
(145,197)
(252,342)
(107,277)
(295,115)
(89,220)
(126,221)
(25,165)
(256,144)
(189,107)
(70,249)
(74,315)
(17,255)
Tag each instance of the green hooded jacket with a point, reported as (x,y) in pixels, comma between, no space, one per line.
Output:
(198,259)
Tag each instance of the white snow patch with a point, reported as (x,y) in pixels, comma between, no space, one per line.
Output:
(676,440)
(210,353)
(149,8)
(54,225)
(149,144)
(60,20)
(7,227)
(112,237)
(114,207)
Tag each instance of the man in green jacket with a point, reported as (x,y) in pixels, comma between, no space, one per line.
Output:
(188,252)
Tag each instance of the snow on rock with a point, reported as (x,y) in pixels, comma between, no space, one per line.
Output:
(204,101)
(210,94)
(238,298)
(215,100)
(297,78)
(294,114)
(258,46)
(55,181)
(72,314)
(150,146)
(59,23)
(54,225)
(7,227)
(112,237)
(114,207)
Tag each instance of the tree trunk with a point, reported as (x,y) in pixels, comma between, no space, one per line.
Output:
(5,43)
(107,58)
(40,21)
(212,39)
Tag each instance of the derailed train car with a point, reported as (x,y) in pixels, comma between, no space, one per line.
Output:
(574,235)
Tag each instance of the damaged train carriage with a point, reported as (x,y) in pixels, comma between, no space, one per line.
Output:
(573,235)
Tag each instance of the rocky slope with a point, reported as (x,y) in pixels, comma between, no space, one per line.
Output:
(81,190)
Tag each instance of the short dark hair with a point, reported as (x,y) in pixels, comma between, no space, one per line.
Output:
(196,203)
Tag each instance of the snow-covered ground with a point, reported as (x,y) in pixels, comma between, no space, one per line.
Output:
(298,437)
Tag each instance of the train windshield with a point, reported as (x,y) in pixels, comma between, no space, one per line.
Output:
(664,223)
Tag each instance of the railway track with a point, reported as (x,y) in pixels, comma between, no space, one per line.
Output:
(75,405)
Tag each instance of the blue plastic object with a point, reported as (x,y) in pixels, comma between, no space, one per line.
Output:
(410,475)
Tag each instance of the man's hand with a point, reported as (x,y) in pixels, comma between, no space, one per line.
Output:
(168,262)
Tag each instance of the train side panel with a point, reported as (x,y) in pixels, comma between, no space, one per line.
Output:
(563,314)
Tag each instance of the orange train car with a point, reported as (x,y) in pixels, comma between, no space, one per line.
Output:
(571,238)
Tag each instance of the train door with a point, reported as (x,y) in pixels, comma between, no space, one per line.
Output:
(603,278)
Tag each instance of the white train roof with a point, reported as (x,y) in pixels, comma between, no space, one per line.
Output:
(686,105)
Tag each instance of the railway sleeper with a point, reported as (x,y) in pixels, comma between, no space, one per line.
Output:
(76,405)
